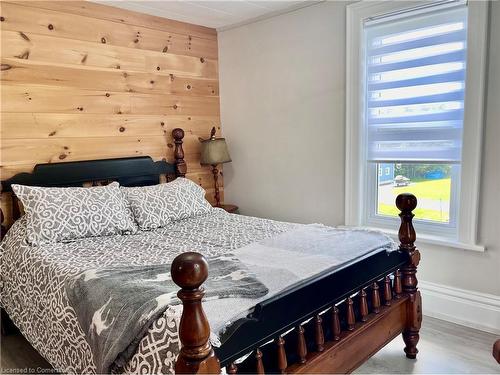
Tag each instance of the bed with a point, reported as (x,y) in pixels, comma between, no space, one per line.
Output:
(329,321)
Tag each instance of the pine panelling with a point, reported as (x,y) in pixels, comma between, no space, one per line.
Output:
(25,72)
(32,151)
(85,8)
(27,98)
(64,52)
(59,125)
(68,94)
(54,23)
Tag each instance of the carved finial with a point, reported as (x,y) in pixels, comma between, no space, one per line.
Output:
(178,134)
(406,203)
(189,270)
(180,164)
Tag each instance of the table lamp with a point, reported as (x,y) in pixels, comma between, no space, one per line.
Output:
(214,152)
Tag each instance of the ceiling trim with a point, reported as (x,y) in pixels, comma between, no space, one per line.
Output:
(272,14)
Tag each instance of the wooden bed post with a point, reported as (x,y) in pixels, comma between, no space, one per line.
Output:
(180,164)
(3,230)
(496,351)
(6,325)
(3,321)
(189,270)
(406,203)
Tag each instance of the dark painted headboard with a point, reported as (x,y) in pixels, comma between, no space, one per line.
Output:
(135,171)
(131,171)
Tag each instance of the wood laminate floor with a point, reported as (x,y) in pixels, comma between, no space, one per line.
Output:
(445,348)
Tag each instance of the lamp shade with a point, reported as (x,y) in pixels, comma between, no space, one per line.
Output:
(214,151)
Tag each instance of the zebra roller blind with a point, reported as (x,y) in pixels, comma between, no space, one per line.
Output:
(415,83)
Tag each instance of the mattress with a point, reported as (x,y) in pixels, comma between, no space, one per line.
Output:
(33,279)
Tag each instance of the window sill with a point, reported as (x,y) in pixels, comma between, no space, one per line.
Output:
(436,241)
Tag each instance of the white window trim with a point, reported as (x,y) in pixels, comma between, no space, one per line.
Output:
(355,187)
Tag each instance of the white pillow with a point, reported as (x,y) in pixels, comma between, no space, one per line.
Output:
(157,205)
(64,214)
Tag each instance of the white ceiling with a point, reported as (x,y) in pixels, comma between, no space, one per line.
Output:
(216,14)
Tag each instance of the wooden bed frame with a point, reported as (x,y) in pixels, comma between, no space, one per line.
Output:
(349,315)
(330,324)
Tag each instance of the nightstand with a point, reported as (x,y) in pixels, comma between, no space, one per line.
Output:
(231,208)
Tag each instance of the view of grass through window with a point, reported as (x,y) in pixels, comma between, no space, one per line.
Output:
(430,183)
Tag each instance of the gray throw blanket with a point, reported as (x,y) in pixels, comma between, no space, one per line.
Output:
(116,305)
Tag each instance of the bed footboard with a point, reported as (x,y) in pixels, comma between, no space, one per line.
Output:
(355,324)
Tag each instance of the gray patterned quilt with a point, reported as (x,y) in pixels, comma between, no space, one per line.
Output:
(32,283)
(34,278)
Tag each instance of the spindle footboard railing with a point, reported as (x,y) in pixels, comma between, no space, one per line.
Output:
(331,324)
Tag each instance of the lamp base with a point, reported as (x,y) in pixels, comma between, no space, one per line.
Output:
(215,172)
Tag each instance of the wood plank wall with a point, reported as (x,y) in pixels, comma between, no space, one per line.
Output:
(87,81)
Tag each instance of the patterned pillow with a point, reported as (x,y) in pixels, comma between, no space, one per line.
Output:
(156,206)
(64,214)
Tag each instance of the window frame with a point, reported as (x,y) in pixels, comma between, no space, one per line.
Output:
(359,193)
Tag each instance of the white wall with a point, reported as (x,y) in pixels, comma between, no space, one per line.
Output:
(282,105)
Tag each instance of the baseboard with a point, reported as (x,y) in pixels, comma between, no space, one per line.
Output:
(461,306)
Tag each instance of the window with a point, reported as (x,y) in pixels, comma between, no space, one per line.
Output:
(414,70)
(415,89)
(432,183)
